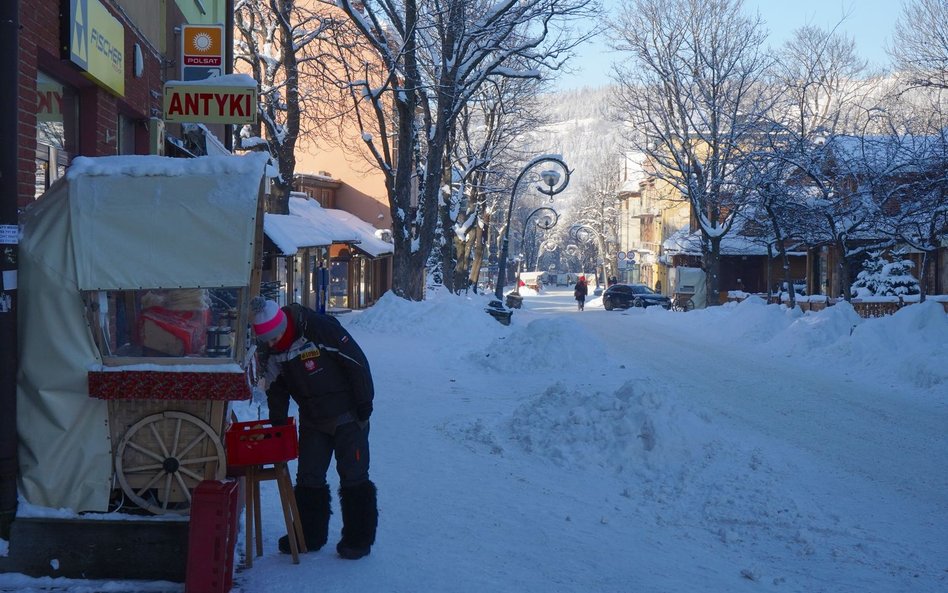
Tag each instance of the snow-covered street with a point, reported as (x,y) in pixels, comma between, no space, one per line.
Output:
(743,447)
(648,450)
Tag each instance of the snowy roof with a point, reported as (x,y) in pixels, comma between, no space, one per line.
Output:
(311,225)
(159,166)
(902,153)
(686,243)
(636,174)
(292,233)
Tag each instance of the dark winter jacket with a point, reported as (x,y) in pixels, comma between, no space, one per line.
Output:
(580,291)
(324,371)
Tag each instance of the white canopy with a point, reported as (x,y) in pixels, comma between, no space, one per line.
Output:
(157,213)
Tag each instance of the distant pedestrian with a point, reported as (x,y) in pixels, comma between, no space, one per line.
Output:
(613,280)
(579,292)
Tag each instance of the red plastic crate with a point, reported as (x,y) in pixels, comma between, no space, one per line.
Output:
(212,537)
(259,442)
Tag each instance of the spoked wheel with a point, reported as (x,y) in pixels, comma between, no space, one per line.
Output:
(683,304)
(163,457)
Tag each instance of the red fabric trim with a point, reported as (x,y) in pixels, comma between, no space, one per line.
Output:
(168,385)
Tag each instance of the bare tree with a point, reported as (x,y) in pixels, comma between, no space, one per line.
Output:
(598,211)
(695,89)
(420,63)
(277,42)
(823,85)
(920,43)
(490,133)
(915,201)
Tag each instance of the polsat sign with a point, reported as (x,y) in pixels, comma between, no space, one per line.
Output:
(210,104)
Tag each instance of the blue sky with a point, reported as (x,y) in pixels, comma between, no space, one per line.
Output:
(869,22)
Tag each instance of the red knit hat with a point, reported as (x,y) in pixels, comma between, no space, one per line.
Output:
(269,320)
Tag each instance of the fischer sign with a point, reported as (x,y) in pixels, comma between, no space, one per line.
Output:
(210,104)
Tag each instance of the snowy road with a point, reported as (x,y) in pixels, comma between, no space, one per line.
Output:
(873,431)
(857,453)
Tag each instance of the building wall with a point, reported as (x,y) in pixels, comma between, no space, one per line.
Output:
(99,108)
(363,187)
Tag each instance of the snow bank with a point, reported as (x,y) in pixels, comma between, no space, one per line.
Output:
(543,344)
(635,428)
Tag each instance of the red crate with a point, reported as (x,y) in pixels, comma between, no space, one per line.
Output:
(259,442)
(212,537)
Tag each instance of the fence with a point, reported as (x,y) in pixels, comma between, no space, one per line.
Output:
(875,307)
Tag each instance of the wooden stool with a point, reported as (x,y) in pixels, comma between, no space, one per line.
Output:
(279,472)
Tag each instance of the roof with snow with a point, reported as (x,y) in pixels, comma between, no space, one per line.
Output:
(684,242)
(310,225)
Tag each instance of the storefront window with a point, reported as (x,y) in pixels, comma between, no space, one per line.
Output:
(339,284)
(57,117)
(178,323)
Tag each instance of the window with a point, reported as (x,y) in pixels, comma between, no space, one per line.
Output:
(57,126)
(339,284)
(172,323)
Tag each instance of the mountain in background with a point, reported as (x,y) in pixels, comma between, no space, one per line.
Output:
(582,129)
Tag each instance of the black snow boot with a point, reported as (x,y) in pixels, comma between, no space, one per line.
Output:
(314,507)
(360,518)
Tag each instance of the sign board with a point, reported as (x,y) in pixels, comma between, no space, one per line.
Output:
(202,51)
(620,255)
(96,43)
(210,104)
(9,234)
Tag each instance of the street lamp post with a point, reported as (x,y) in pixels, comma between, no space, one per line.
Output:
(545,223)
(555,183)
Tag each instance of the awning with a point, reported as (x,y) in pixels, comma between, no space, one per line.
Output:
(311,225)
(292,233)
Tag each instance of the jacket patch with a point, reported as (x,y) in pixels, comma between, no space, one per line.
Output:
(308,354)
(309,365)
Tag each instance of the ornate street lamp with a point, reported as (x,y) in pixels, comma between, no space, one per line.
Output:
(555,180)
(544,223)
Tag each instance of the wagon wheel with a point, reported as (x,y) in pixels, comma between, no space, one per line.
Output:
(162,458)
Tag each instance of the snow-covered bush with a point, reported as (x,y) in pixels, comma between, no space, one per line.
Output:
(881,277)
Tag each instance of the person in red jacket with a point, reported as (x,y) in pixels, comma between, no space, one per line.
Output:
(313,359)
(579,293)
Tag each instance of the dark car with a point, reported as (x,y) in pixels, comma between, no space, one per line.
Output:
(623,296)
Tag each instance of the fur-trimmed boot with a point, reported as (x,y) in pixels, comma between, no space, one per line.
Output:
(360,518)
(314,507)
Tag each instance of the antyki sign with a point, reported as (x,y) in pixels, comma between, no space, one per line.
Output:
(210,104)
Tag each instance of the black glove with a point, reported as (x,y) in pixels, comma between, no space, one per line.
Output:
(363,411)
(278,401)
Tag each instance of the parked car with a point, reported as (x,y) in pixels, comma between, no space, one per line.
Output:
(623,296)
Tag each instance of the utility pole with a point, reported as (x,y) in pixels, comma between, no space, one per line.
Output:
(9,238)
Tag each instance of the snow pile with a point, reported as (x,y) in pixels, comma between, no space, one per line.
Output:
(637,427)
(442,312)
(543,344)
(919,334)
